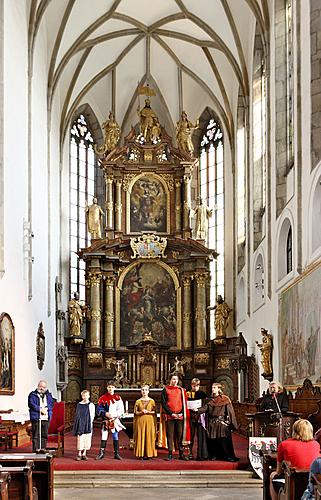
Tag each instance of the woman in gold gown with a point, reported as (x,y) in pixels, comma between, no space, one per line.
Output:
(145,426)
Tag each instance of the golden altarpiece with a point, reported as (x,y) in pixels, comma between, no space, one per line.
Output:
(147,280)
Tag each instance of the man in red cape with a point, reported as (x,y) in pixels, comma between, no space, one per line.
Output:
(174,405)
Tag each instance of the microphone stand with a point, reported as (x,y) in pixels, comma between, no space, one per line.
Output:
(280,416)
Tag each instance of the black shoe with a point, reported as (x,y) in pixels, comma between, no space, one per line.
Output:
(170,457)
(184,457)
(101,454)
(231,459)
(116,450)
(190,456)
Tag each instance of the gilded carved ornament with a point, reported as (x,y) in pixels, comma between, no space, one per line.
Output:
(169,179)
(94,393)
(223,364)
(94,315)
(109,317)
(175,254)
(108,178)
(109,280)
(187,317)
(93,279)
(127,179)
(200,314)
(201,279)
(201,358)
(94,358)
(186,280)
(109,362)
(74,363)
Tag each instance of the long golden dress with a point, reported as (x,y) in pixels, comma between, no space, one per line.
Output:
(145,429)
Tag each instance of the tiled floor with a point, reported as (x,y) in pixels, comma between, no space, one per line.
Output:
(156,494)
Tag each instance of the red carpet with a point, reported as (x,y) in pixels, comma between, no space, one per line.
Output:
(130,462)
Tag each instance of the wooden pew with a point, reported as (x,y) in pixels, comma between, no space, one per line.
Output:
(4,485)
(42,474)
(316,480)
(269,465)
(20,487)
(295,483)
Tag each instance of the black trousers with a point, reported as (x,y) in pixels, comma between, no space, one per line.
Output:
(35,426)
(174,429)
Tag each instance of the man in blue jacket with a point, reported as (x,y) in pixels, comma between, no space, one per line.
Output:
(40,404)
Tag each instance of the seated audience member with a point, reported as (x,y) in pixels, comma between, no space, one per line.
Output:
(220,421)
(276,399)
(299,451)
(145,426)
(314,469)
(196,422)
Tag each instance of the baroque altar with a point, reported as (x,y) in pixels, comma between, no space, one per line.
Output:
(147,279)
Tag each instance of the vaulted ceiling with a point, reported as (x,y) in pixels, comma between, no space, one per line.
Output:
(194,53)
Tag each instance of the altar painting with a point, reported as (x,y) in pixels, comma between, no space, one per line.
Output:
(148,206)
(148,304)
(299,327)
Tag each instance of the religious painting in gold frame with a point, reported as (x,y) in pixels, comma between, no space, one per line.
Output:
(148,204)
(7,355)
(148,300)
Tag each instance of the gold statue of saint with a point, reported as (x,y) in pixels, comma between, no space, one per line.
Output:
(112,135)
(75,317)
(202,213)
(184,129)
(222,312)
(94,215)
(149,124)
(266,352)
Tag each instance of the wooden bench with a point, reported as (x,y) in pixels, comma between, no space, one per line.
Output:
(21,487)
(42,473)
(4,485)
(296,482)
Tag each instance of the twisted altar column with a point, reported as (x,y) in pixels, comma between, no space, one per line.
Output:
(109,202)
(93,281)
(187,202)
(118,206)
(178,206)
(187,312)
(200,312)
(109,316)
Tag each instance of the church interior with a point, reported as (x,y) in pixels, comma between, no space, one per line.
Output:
(166,215)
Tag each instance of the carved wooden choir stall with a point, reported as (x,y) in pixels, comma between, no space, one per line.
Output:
(147,280)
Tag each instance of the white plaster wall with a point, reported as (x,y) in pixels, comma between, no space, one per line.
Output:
(26,315)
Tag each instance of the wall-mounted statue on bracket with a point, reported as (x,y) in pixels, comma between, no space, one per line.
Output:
(94,216)
(184,129)
(112,135)
(76,312)
(266,347)
(40,346)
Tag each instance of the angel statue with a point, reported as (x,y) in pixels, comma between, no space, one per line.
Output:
(178,366)
(184,129)
(112,135)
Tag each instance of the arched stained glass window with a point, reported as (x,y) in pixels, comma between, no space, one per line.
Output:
(212,192)
(82,189)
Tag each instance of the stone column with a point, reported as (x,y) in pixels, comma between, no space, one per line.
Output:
(109,316)
(118,207)
(187,202)
(200,311)
(178,206)
(109,202)
(93,281)
(187,312)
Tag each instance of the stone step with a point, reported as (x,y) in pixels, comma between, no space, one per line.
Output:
(155,479)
